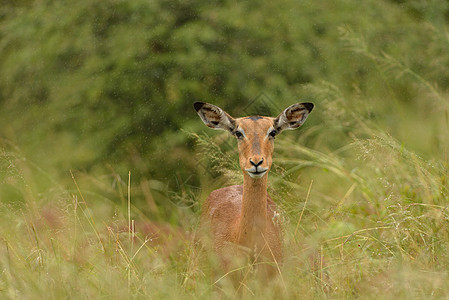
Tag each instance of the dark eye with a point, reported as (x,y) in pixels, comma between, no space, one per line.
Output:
(272,133)
(238,134)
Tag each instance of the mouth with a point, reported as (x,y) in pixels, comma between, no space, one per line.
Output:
(256,173)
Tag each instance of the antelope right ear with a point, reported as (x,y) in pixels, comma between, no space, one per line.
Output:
(293,116)
(214,117)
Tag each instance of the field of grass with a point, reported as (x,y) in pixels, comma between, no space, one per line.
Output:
(363,186)
(369,219)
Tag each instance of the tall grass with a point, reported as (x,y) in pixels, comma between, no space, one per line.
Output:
(374,225)
(364,205)
(68,243)
(365,214)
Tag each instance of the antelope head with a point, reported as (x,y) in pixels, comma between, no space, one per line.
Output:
(255,134)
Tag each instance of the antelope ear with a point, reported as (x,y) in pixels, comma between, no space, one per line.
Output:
(214,117)
(293,116)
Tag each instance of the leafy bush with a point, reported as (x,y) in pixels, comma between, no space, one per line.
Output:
(93,89)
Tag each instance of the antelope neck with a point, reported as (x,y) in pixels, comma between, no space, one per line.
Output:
(254,211)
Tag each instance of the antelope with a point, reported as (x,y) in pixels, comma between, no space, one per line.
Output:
(244,216)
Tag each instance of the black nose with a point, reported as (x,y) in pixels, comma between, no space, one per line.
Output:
(256,164)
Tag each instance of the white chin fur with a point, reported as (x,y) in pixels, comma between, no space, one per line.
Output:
(257,175)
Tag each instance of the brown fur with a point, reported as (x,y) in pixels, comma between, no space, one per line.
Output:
(219,217)
(241,220)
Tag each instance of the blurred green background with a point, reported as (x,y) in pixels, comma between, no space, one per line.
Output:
(100,88)
(89,85)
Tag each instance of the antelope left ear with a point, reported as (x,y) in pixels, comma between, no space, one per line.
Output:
(214,117)
(293,116)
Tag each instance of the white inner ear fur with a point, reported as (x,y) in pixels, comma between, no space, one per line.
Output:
(226,122)
(296,117)
(218,115)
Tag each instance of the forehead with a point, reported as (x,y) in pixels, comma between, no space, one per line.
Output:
(255,123)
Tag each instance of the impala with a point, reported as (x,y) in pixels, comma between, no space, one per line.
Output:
(243,218)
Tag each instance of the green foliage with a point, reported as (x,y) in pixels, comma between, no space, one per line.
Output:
(111,81)
(92,89)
